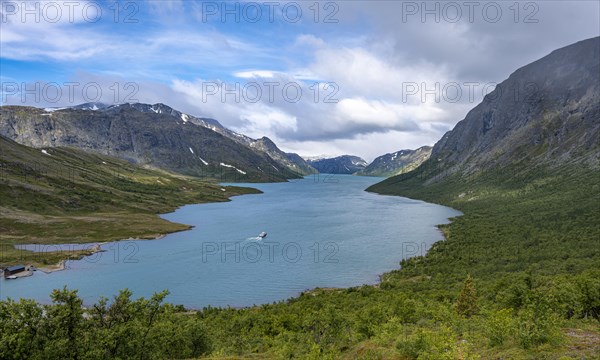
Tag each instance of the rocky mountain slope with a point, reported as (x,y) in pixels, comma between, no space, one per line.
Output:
(545,115)
(546,112)
(396,163)
(292,162)
(154,139)
(345,164)
(154,135)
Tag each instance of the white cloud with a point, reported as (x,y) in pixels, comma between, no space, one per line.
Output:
(253,74)
(261,120)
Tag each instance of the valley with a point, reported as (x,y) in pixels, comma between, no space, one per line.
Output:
(189,224)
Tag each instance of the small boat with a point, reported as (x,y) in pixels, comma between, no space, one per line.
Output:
(11,277)
(262,235)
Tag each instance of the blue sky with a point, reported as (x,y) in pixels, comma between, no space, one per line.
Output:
(365,55)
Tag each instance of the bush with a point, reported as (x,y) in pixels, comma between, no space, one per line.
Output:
(498,326)
(538,325)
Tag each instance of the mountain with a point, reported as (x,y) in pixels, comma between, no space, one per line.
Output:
(345,164)
(89,106)
(523,167)
(546,112)
(160,108)
(291,161)
(544,118)
(152,135)
(396,163)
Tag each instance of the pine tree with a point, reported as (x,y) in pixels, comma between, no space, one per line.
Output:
(466,305)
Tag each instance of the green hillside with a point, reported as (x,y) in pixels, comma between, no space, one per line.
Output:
(70,196)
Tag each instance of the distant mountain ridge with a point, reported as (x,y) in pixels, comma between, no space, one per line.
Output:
(291,161)
(153,138)
(396,163)
(155,135)
(345,164)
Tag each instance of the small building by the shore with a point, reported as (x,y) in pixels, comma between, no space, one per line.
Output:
(12,270)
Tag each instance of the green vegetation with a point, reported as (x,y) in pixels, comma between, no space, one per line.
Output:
(517,278)
(71,196)
(142,328)
(466,305)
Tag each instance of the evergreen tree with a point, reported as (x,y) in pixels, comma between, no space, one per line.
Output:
(466,305)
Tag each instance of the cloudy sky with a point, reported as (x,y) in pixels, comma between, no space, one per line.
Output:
(354,77)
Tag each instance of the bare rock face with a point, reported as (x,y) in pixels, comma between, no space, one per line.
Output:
(547,112)
(134,132)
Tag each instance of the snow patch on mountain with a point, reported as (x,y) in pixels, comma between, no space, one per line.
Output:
(233,167)
(49,110)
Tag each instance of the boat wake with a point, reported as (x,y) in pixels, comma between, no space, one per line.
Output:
(254,238)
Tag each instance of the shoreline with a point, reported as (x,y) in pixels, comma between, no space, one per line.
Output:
(61,265)
(134,225)
(53,268)
(378,280)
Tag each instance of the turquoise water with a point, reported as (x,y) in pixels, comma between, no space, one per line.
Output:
(322,232)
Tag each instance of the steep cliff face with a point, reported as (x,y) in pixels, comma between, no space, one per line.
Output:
(345,164)
(396,163)
(153,137)
(546,112)
(544,119)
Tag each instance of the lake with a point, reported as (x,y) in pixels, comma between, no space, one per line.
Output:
(323,231)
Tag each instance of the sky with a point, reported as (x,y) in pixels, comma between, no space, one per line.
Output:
(318,78)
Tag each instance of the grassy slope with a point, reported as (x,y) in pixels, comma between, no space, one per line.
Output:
(71,196)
